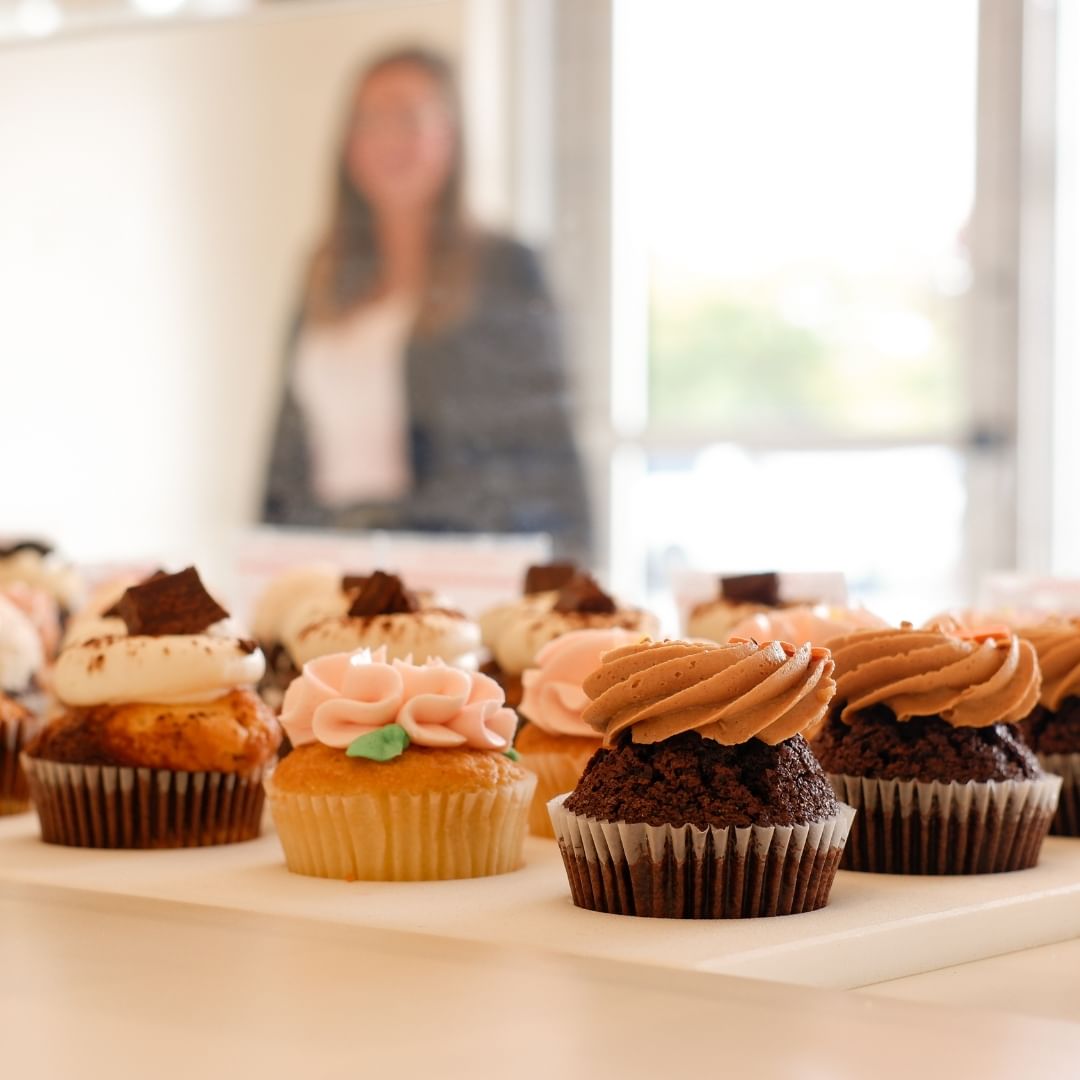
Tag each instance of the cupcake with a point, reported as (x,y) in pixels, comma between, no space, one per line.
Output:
(554,741)
(21,660)
(304,592)
(162,741)
(1052,729)
(35,563)
(557,599)
(819,624)
(921,741)
(399,772)
(705,800)
(377,611)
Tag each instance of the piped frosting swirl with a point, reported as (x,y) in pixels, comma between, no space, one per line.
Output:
(969,678)
(730,693)
(1057,643)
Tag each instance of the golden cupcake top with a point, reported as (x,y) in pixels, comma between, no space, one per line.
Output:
(969,678)
(1057,643)
(731,693)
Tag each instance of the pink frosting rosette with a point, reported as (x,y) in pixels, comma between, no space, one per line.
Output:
(553,699)
(342,696)
(818,624)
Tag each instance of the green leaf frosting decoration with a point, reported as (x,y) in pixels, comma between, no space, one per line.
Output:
(383,744)
(512,754)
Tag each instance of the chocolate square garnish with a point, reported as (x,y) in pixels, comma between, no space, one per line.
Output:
(382,594)
(582,594)
(751,589)
(351,582)
(114,611)
(547,577)
(169,604)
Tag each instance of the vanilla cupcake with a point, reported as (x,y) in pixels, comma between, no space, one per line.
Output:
(1052,729)
(922,742)
(555,742)
(162,741)
(705,800)
(558,599)
(377,611)
(21,660)
(399,772)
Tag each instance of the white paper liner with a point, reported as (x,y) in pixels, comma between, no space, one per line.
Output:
(1067,819)
(932,827)
(112,806)
(14,790)
(400,837)
(689,872)
(555,773)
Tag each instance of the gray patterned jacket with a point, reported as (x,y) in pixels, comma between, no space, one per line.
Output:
(490,435)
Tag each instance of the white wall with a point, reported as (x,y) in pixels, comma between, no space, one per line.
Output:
(158,191)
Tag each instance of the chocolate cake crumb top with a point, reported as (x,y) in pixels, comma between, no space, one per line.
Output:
(582,594)
(751,589)
(876,745)
(696,781)
(382,594)
(1058,732)
(169,604)
(547,577)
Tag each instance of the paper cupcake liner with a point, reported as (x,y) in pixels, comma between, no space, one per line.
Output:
(1067,819)
(686,872)
(14,790)
(922,827)
(401,837)
(555,774)
(111,806)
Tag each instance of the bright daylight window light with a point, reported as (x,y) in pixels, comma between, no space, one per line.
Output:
(157,8)
(38,18)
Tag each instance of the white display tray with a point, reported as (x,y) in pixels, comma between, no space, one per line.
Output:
(876,927)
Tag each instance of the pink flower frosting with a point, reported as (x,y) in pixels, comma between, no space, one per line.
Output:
(553,699)
(818,625)
(341,696)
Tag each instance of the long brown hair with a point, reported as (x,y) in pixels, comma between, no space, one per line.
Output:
(346,266)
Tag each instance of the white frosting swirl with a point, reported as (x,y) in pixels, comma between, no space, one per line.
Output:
(515,633)
(21,654)
(171,669)
(420,635)
(304,593)
(47,572)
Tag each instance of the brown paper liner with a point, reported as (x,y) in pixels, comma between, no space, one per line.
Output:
(556,774)
(918,827)
(14,789)
(685,872)
(110,806)
(1067,819)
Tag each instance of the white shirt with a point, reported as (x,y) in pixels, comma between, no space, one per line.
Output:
(349,381)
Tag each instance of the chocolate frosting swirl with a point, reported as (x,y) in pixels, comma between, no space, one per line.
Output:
(968,678)
(731,693)
(1057,643)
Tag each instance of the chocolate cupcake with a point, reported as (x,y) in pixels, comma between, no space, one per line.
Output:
(705,800)
(162,742)
(557,599)
(1052,729)
(921,741)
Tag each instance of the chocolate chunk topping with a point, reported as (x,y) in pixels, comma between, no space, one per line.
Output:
(751,589)
(877,745)
(14,548)
(352,582)
(246,645)
(547,577)
(169,604)
(690,780)
(114,611)
(382,594)
(582,594)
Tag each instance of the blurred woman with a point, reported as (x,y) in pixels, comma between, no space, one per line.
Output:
(424,385)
